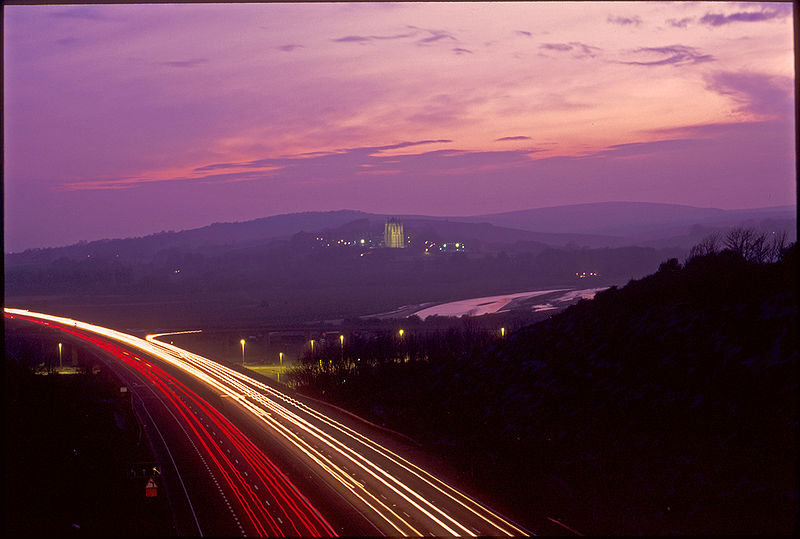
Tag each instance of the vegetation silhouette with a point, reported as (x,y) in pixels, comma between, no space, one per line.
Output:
(668,405)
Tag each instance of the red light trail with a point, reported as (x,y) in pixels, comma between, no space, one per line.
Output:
(299,516)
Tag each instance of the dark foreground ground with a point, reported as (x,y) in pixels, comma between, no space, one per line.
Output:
(74,452)
(668,406)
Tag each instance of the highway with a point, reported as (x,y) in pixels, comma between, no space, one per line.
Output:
(229,487)
(390,493)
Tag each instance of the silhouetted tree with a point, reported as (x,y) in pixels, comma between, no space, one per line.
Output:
(708,246)
(750,244)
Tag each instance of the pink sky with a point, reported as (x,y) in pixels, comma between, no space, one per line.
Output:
(124,120)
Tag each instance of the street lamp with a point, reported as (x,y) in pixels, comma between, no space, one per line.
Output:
(400,333)
(341,341)
(502,332)
(59,356)
(242,341)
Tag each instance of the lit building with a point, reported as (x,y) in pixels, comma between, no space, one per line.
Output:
(393,234)
(453,247)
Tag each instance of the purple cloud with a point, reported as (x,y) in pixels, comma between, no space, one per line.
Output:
(675,55)
(756,93)
(624,21)
(580,50)
(586,51)
(518,137)
(524,33)
(720,175)
(459,50)
(432,37)
(350,162)
(352,39)
(719,19)
(288,161)
(364,39)
(645,148)
(556,46)
(289,48)
(711,165)
(436,35)
(680,23)
(369,161)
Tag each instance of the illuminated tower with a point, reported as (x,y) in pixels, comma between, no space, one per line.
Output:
(393,234)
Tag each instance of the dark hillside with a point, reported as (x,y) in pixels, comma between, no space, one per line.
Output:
(669,406)
(666,406)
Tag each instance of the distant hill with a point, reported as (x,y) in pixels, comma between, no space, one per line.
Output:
(629,219)
(605,224)
(214,237)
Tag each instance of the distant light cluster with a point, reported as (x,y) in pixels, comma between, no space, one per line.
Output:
(364,242)
(453,247)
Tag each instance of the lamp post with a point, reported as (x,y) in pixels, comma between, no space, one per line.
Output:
(242,342)
(59,356)
(401,333)
(503,332)
(341,341)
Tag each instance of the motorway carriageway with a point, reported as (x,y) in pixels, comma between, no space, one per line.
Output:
(395,496)
(244,479)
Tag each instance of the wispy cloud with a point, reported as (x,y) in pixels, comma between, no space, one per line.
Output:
(523,33)
(556,46)
(434,36)
(368,38)
(579,50)
(289,47)
(286,161)
(459,50)
(337,164)
(421,36)
(756,93)
(193,62)
(624,21)
(671,55)
(518,137)
(633,149)
(262,173)
(103,184)
(680,23)
(720,19)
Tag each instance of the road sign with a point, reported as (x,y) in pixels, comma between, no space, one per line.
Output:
(150,489)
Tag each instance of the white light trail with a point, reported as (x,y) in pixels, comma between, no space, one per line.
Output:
(271,407)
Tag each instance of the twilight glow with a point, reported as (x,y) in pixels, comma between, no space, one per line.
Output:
(124,120)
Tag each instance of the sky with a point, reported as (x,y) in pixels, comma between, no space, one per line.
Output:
(126,120)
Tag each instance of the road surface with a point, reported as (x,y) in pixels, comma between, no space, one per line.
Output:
(386,493)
